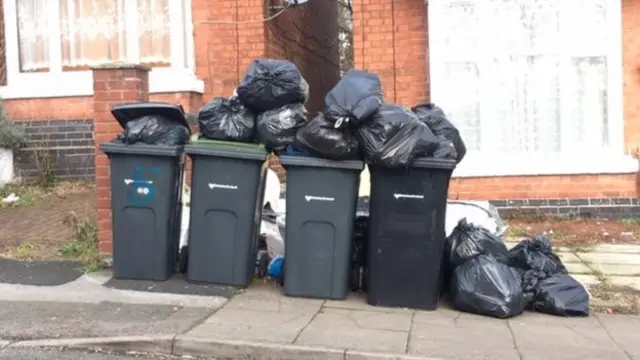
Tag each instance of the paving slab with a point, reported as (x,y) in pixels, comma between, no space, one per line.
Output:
(358,330)
(268,297)
(560,333)
(29,320)
(616,248)
(625,330)
(578,268)
(253,325)
(616,269)
(611,258)
(467,336)
(586,279)
(630,281)
(358,301)
(568,257)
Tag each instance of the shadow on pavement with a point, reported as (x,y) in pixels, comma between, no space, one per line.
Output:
(39,273)
(176,285)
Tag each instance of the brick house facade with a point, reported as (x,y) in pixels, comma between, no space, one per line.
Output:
(212,46)
(397,40)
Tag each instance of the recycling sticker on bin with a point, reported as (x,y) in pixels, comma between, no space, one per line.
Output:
(222,186)
(318,198)
(140,189)
(408,196)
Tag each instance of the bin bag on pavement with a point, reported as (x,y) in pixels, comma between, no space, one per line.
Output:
(354,99)
(319,137)
(536,254)
(394,137)
(154,130)
(560,295)
(270,84)
(277,128)
(468,241)
(437,121)
(227,120)
(485,286)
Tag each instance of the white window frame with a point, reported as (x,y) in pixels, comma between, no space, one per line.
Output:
(179,77)
(567,162)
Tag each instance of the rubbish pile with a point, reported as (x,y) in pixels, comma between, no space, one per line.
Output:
(485,278)
(267,107)
(355,123)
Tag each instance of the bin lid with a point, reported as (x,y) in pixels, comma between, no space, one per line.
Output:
(298,160)
(127,112)
(141,149)
(198,139)
(429,163)
(433,163)
(227,149)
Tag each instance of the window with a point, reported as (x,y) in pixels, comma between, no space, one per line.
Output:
(530,79)
(59,40)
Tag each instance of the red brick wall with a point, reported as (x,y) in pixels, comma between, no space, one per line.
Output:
(111,86)
(400,58)
(308,36)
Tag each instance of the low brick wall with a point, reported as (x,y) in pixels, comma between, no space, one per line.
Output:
(63,147)
(586,208)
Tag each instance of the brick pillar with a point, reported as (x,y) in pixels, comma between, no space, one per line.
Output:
(112,84)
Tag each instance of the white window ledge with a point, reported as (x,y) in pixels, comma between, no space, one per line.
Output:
(484,165)
(80,83)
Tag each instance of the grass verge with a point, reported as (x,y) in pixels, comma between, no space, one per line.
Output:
(84,243)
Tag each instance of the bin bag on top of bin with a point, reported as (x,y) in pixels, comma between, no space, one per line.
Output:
(152,124)
(277,127)
(227,120)
(270,84)
(321,138)
(394,137)
(354,99)
(451,145)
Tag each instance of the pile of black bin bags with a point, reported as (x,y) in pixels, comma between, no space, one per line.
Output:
(485,278)
(356,123)
(154,130)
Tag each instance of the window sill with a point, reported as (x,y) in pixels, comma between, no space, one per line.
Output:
(80,83)
(483,165)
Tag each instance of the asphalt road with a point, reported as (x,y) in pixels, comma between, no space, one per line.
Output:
(52,354)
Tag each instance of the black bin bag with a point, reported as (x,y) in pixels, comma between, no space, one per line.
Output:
(270,84)
(485,286)
(536,254)
(354,99)
(437,121)
(561,295)
(468,241)
(319,137)
(154,130)
(394,137)
(227,120)
(277,128)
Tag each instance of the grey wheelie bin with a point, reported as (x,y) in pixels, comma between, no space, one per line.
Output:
(145,196)
(227,189)
(407,233)
(321,202)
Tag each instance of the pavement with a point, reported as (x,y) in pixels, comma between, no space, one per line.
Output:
(261,323)
(55,354)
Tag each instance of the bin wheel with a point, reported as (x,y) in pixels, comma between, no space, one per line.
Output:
(182,259)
